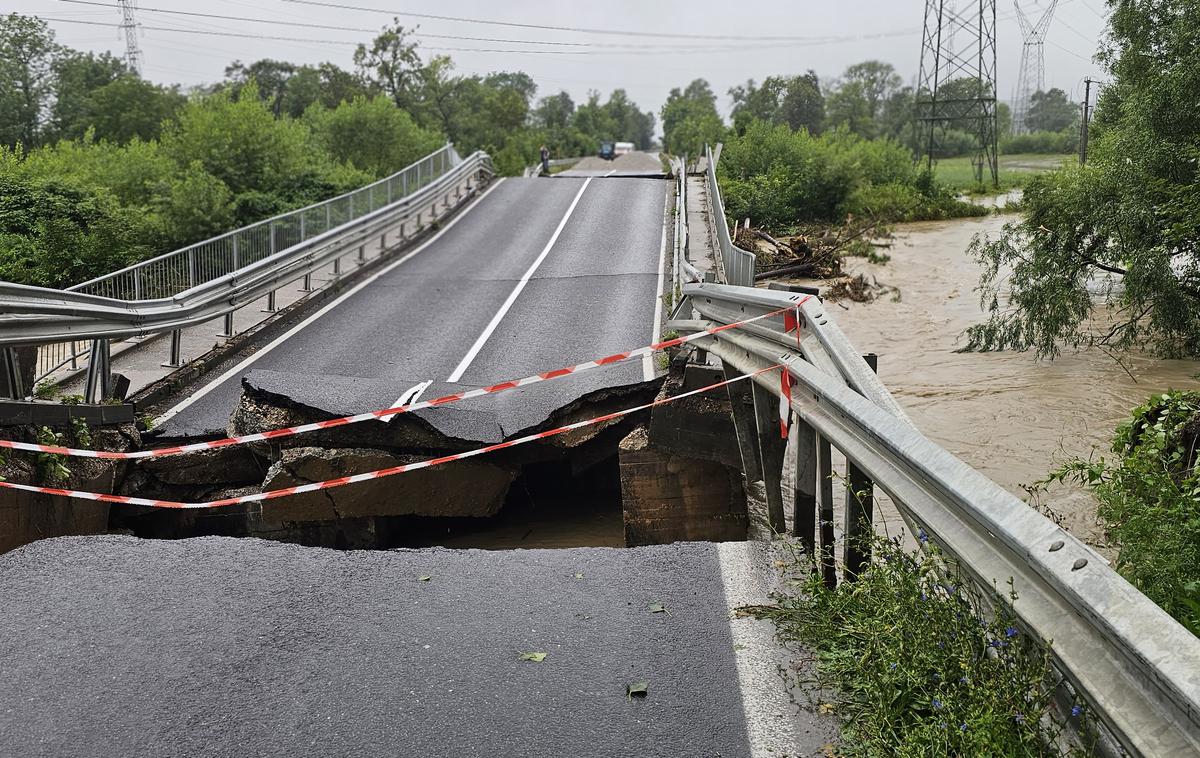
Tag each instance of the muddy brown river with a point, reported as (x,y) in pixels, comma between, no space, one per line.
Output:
(1010,416)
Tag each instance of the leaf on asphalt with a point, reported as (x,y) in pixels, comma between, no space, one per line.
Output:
(579,576)
(637,689)
(423,578)
(535,657)
(658,608)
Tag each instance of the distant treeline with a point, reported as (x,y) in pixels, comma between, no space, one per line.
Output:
(100,168)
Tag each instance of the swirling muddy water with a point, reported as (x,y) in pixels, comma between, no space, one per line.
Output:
(1012,417)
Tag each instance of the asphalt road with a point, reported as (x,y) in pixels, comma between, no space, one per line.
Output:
(631,164)
(488,299)
(113,646)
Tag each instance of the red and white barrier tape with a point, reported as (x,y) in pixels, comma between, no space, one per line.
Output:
(381,473)
(387,412)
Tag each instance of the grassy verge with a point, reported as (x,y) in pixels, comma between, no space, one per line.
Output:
(919,665)
(1015,170)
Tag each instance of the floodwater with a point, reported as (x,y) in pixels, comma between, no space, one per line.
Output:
(1010,416)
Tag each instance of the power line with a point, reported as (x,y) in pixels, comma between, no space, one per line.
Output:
(648,51)
(547,27)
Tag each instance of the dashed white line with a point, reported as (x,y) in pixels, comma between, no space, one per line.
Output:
(465,363)
(236,370)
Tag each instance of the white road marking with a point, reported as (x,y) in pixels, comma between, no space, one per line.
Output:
(770,713)
(610,173)
(306,322)
(411,395)
(465,363)
(648,359)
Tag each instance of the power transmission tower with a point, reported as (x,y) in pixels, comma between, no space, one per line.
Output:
(1032,77)
(956,89)
(133,54)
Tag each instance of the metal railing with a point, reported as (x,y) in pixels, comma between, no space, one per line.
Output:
(1137,667)
(738,264)
(200,283)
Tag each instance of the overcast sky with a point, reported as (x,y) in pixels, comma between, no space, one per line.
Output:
(646,66)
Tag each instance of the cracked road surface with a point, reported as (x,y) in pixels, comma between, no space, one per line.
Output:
(536,275)
(113,646)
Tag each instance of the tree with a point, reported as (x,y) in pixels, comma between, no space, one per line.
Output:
(128,107)
(796,101)
(392,63)
(270,77)
(27,56)
(373,135)
(858,98)
(690,119)
(554,111)
(268,164)
(1126,225)
(1051,111)
(76,77)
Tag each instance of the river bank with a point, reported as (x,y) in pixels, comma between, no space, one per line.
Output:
(1010,416)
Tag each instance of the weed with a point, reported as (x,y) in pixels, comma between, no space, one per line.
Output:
(920,663)
(50,468)
(45,389)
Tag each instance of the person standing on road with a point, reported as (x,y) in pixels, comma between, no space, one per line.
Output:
(544,152)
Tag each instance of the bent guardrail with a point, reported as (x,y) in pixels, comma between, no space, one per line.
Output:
(1137,666)
(101,310)
(738,264)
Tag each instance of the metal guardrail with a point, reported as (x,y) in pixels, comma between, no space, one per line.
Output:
(1137,667)
(101,309)
(738,264)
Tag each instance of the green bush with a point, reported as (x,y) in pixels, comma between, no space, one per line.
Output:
(372,135)
(53,234)
(779,178)
(1054,143)
(1150,501)
(917,664)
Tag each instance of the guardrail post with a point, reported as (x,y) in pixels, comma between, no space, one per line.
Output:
(12,373)
(270,302)
(175,357)
(307,285)
(860,508)
(825,487)
(227,326)
(337,266)
(362,254)
(804,486)
(97,387)
(743,424)
(771,446)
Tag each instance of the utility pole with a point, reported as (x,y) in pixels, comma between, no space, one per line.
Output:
(133,54)
(1083,127)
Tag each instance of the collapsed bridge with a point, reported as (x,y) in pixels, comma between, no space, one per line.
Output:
(784,394)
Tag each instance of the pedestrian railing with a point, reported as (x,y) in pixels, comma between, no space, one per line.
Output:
(216,277)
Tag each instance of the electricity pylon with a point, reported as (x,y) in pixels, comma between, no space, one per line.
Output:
(133,54)
(956,89)
(1032,77)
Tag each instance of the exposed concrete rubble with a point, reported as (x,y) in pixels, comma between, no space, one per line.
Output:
(28,516)
(470,488)
(681,478)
